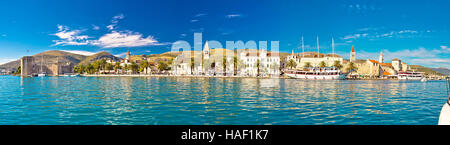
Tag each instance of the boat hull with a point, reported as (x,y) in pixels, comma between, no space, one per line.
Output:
(410,78)
(317,77)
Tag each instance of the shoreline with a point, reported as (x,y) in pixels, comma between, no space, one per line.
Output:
(195,76)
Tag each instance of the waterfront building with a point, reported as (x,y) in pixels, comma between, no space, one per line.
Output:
(315,60)
(127,60)
(209,62)
(269,63)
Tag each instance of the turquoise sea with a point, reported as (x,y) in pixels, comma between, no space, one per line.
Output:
(229,101)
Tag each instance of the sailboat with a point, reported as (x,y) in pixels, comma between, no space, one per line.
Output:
(444,117)
(317,73)
(42,73)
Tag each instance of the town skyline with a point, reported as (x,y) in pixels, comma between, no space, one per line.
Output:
(144,28)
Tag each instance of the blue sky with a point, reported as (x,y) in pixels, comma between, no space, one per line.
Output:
(415,31)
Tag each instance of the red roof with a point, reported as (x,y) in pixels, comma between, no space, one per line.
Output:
(353,48)
(386,73)
(386,64)
(373,61)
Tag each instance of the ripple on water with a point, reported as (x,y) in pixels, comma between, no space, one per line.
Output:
(159,100)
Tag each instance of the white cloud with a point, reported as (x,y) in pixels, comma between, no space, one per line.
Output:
(95,27)
(110,40)
(114,21)
(409,53)
(375,35)
(194,20)
(120,55)
(233,15)
(124,39)
(116,18)
(419,56)
(6,60)
(4,35)
(432,62)
(445,48)
(355,36)
(111,27)
(69,37)
(200,15)
(80,52)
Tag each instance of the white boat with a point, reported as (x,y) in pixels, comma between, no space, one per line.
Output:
(42,75)
(410,75)
(75,75)
(444,117)
(315,73)
(424,79)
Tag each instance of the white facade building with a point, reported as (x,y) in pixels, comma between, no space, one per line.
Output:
(269,64)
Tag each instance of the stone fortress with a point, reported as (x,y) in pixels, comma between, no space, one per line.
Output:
(31,66)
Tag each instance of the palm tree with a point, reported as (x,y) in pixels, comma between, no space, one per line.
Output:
(103,63)
(322,64)
(18,71)
(291,63)
(257,66)
(125,68)
(275,66)
(90,69)
(134,67)
(162,66)
(308,64)
(351,67)
(144,65)
(116,66)
(192,65)
(78,69)
(109,66)
(235,62)
(224,64)
(337,64)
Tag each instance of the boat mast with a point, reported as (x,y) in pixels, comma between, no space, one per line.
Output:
(42,60)
(318,48)
(332,45)
(303,48)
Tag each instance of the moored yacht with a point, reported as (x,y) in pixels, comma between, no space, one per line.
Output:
(410,75)
(316,73)
(42,74)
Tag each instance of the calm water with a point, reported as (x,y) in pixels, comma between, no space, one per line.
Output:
(182,101)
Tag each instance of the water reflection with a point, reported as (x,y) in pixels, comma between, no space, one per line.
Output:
(175,100)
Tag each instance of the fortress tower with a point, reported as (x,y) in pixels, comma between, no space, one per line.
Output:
(26,65)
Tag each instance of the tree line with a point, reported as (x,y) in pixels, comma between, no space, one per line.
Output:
(102,65)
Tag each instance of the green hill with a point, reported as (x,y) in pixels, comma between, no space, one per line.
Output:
(52,56)
(97,56)
(427,71)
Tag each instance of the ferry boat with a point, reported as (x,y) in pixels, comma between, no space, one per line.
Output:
(410,75)
(316,73)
